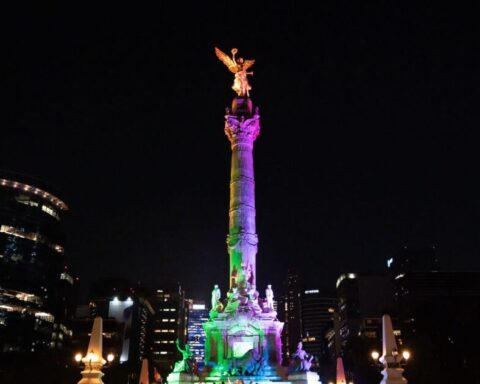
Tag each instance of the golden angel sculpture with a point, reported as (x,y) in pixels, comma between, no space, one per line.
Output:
(239,68)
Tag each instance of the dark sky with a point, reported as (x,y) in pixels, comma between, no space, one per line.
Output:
(369,135)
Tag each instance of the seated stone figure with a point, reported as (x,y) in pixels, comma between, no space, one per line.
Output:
(302,361)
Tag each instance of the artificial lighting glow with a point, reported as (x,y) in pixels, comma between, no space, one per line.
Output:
(92,357)
(78,357)
(375,355)
(345,276)
(110,357)
(18,232)
(26,187)
(406,355)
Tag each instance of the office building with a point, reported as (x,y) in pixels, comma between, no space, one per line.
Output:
(317,308)
(169,323)
(197,316)
(35,287)
(126,312)
(290,314)
(438,313)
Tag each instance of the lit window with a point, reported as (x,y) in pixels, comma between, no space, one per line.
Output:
(30,236)
(50,211)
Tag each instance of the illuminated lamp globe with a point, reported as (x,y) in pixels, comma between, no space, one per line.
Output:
(375,355)
(110,357)
(406,354)
(78,357)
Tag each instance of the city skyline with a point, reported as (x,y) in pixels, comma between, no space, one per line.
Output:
(367,140)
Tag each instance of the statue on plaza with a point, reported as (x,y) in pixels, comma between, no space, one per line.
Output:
(302,361)
(216,294)
(187,363)
(239,68)
(269,298)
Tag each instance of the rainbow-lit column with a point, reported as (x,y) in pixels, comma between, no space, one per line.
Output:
(242,127)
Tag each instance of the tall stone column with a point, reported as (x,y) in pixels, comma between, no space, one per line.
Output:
(242,127)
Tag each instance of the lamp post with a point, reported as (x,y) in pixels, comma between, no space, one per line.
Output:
(93,360)
(391,361)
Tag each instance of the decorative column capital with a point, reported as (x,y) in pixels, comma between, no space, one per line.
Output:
(241,130)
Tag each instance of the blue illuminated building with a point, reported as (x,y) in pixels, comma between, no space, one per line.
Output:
(197,315)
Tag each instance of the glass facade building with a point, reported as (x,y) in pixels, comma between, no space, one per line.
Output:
(197,315)
(290,314)
(35,288)
(317,308)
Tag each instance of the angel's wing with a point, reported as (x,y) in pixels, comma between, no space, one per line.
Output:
(247,64)
(225,59)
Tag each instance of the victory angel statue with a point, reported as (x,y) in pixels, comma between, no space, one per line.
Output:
(239,68)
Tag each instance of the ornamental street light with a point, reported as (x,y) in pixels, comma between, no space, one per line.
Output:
(391,361)
(93,360)
(399,360)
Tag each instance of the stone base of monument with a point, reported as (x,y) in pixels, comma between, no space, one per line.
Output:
(243,342)
(393,376)
(304,378)
(181,378)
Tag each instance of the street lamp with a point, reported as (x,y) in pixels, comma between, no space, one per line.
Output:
(92,357)
(93,360)
(392,360)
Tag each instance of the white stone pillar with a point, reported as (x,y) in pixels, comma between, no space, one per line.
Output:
(93,360)
(392,372)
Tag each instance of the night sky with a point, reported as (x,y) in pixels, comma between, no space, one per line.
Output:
(369,136)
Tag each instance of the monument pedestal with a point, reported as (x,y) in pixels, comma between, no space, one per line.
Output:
(92,374)
(393,376)
(304,378)
(243,345)
(181,378)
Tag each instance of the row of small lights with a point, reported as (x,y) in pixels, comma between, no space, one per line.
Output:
(37,191)
(93,357)
(405,354)
(375,356)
